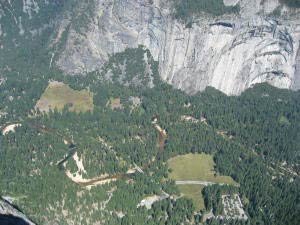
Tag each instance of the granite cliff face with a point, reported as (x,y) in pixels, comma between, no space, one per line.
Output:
(230,52)
(10,215)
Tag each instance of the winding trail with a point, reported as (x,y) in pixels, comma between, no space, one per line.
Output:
(162,134)
(98,180)
(205,183)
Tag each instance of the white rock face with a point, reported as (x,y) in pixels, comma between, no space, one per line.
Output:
(296,82)
(7,209)
(231,2)
(10,128)
(230,53)
(30,7)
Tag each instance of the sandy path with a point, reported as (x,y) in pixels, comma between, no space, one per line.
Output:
(205,183)
(10,128)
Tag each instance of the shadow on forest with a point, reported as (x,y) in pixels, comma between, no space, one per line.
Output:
(11,220)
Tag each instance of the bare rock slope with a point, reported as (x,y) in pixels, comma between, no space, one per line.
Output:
(10,215)
(230,52)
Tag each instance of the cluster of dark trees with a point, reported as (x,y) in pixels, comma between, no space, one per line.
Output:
(130,68)
(291,3)
(186,10)
(212,197)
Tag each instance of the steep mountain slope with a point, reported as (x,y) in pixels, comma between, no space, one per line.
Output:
(24,30)
(297,71)
(229,52)
(10,215)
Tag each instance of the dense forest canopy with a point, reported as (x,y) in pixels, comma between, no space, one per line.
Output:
(188,8)
(253,138)
(291,3)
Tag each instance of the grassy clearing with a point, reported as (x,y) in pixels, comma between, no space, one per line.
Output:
(196,167)
(114,103)
(58,94)
(193,192)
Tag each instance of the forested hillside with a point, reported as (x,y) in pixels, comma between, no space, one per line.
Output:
(291,3)
(187,9)
(254,138)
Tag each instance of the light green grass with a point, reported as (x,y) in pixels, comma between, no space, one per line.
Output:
(283,120)
(114,103)
(196,167)
(57,95)
(193,192)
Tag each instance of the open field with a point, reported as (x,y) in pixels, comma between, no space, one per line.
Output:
(193,192)
(58,94)
(196,167)
(114,103)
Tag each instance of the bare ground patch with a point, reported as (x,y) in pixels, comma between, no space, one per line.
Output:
(58,94)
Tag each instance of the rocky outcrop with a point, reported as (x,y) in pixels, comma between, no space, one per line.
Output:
(296,84)
(10,215)
(232,58)
(230,53)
